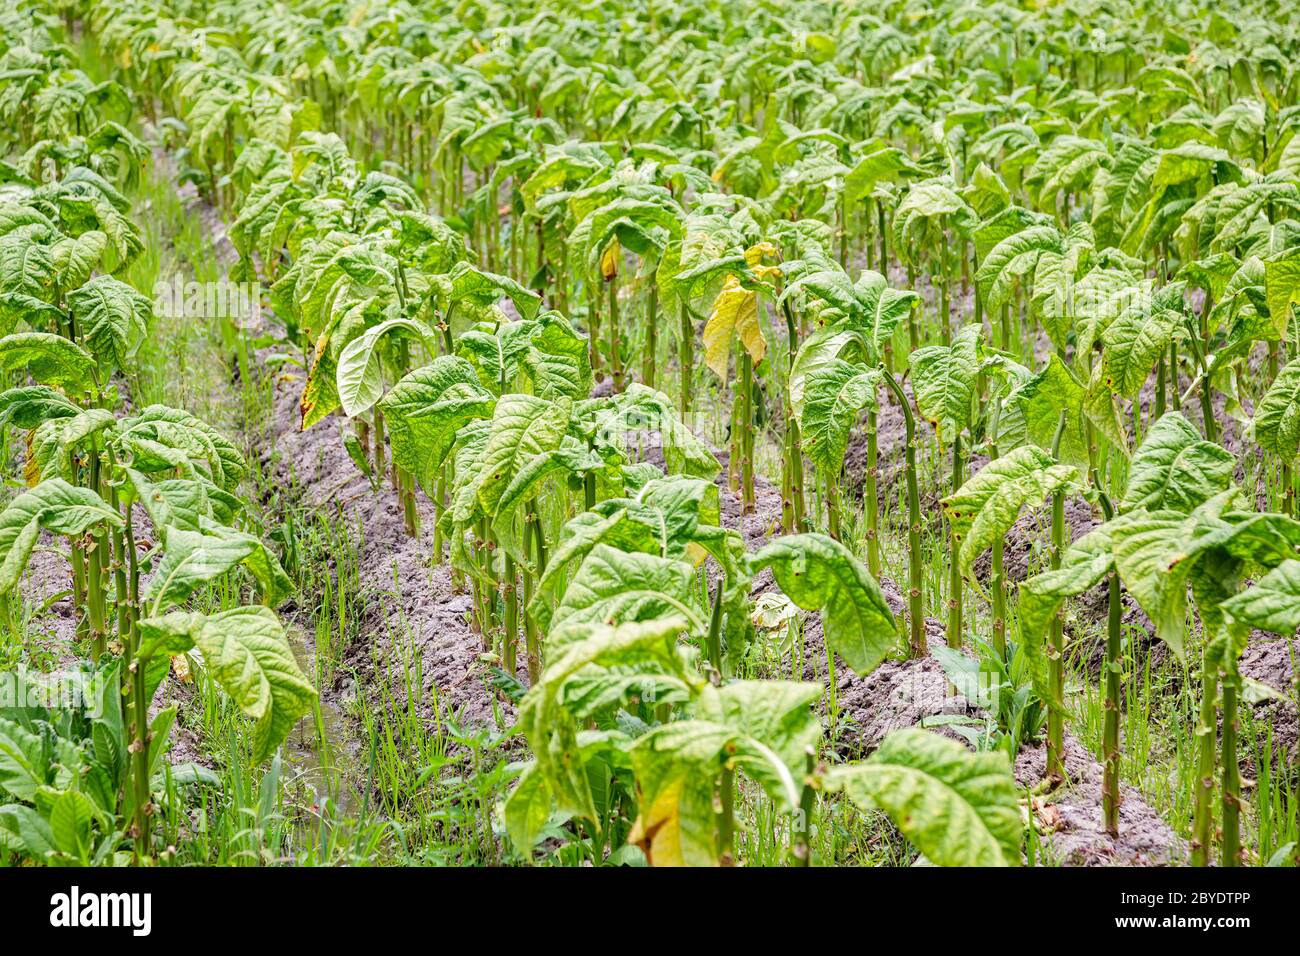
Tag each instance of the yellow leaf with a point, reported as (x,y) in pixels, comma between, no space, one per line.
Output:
(658,828)
(735,312)
(609,261)
(758,251)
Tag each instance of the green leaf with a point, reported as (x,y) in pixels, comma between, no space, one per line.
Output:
(985,508)
(1175,469)
(650,646)
(527,809)
(112,320)
(641,408)
(1277,418)
(195,558)
(482,289)
(819,573)
(1153,553)
(53,505)
(943,380)
(246,651)
(359,377)
(1043,398)
(616,587)
(1282,287)
(1083,565)
(23,830)
(48,358)
(425,410)
(72,817)
(958,808)
(29,406)
(76,258)
(834,395)
(172,502)
(1132,344)
(1015,257)
(1273,603)
(778,727)
(676,766)
(23,761)
(881,164)
(523,426)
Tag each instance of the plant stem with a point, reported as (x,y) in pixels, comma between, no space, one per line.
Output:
(794,448)
(685,355)
(746,399)
(1230,852)
(713,644)
(1056,637)
(531,635)
(649,359)
(801,851)
(615,360)
(1159,407)
(379,443)
(727,817)
(871,496)
(1175,399)
(1206,727)
(512,616)
(139,704)
(954,567)
(997,582)
(1110,797)
(915,610)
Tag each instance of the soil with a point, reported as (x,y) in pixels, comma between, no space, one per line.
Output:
(1072,819)
(1271,661)
(408,606)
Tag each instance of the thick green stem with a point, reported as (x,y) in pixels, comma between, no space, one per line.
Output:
(1056,636)
(410,515)
(650,357)
(615,360)
(792,480)
(830,483)
(746,400)
(1230,852)
(998,579)
(1175,399)
(1110,752)
(531,634)
(685,355)
(727,817)
(801,851)
(379,443)
(954,567)
(870,495)
(137,707)
(915,607)
(713,643)
(439,506)
(511,632)
(1206,729)
(1159,408)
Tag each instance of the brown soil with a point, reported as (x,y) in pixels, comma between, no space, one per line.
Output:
(408,606)
(1071,816)
(1271,661)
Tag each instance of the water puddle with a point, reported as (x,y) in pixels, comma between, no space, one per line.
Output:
(320,754)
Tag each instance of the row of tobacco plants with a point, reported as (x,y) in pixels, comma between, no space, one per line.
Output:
(506,245)
(141,506)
